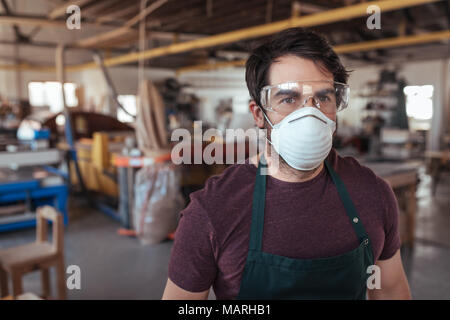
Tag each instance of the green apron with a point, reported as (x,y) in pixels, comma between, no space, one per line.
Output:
(270,276)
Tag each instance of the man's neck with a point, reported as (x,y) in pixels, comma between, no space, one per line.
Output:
(280,170)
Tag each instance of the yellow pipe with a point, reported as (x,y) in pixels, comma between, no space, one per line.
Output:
(393,42)
(26,67)
(344,48)
(329,16)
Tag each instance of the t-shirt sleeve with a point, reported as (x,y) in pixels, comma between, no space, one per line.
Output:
(392,237)
(192,264)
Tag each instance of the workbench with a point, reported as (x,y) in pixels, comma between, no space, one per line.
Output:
(437,162)
(35,187)
(403,178)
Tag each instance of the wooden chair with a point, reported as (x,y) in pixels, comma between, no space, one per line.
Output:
(40,255)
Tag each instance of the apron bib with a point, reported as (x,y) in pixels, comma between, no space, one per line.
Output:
(270,276)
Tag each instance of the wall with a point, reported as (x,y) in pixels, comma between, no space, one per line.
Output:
(125,80)
(415,73)
(212,86)
(8,81)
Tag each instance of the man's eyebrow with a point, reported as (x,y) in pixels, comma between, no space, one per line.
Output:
(325,91)
(287,92)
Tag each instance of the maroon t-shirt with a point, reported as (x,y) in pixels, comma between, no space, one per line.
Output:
(302,220)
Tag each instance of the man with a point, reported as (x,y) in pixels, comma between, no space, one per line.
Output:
(317,223)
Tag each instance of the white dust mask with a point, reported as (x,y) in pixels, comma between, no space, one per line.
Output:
(303,138)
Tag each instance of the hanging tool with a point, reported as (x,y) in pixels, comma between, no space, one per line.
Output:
(111,89)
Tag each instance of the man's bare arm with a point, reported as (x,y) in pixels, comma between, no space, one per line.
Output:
(394,285)
(174,292)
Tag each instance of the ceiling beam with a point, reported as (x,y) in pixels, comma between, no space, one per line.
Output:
(98,7)
(194,18)
(52,45)
(342,49)
(301,8)
(174,36)
(393,42)
(28,43)
(212,66)
(105,37)
(118,14)
(55,2)
(144,13)
(329,16)
(18,34)
(60,11)
(37,21)
(125,30)
(160,35)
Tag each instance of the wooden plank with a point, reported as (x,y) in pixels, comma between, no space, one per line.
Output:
(143,14)
(48,213)
(195,15)
(125,30)
(60,11)
(30,253)
(45,282)
(402,179)
(61,278)
(98,7)
(31,21)
(393,42)
(55,2)
(118,42)
(116,14)
(38,21)
(104,37)
(41,228)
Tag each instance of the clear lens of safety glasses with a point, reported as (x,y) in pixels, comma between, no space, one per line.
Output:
(284,98)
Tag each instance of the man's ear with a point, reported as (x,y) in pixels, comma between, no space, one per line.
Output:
(257,114)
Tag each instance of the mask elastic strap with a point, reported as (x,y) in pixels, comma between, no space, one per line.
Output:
(270,123)
(265,116)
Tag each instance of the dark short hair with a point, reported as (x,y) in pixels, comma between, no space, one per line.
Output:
(298,42)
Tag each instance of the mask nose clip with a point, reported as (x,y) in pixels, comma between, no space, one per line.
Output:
(315,103)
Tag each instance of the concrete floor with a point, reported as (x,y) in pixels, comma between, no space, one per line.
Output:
(112,266)
(118,267)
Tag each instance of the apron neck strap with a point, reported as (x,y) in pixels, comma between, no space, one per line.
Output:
(348,204)
(259,199)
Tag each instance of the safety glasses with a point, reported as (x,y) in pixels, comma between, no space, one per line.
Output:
(284,98)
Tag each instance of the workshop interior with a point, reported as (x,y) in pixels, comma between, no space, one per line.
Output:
(93,95)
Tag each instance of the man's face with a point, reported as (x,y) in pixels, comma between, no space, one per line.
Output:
(291,68)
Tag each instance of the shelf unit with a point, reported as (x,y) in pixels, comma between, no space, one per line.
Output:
(34,193)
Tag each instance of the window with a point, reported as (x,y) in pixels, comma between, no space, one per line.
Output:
(129,103)
(48,94)
(419,102)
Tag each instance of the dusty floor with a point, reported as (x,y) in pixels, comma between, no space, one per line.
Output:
(118,267)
